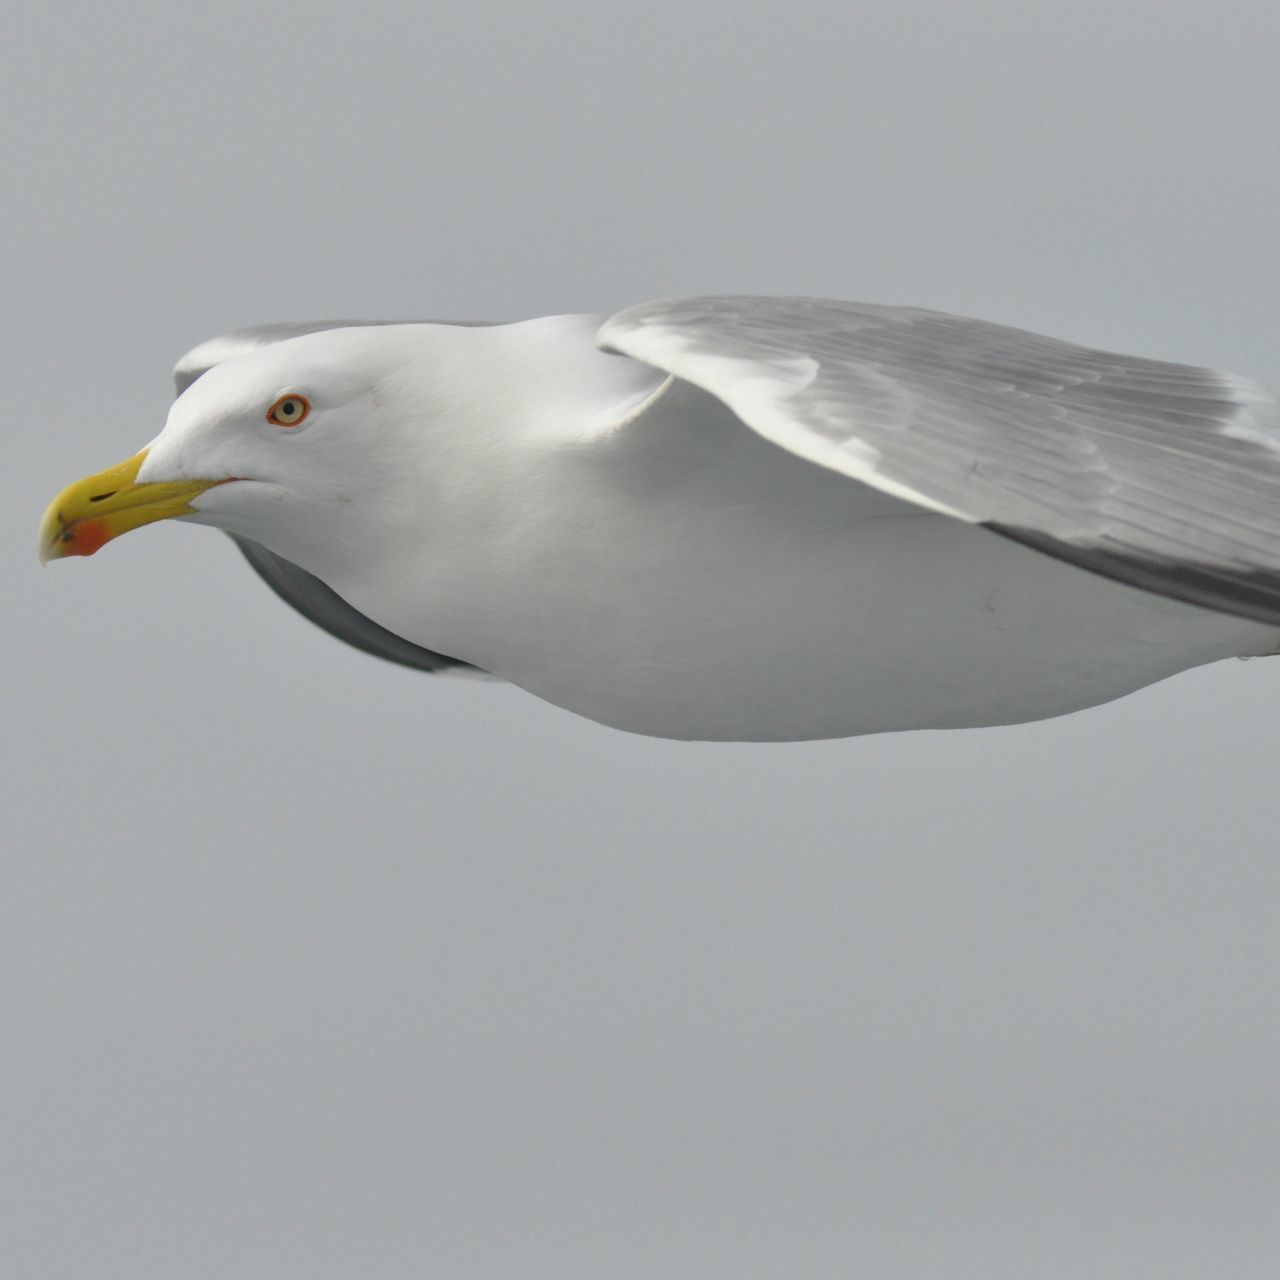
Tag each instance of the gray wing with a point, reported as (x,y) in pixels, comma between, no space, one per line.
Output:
(305,592)
(1160,475)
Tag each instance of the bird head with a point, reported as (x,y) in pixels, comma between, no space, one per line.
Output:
(258,444)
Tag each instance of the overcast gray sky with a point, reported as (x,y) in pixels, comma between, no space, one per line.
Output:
(311,966)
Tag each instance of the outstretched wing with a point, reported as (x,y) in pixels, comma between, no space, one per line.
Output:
(295,586)
(1160,475)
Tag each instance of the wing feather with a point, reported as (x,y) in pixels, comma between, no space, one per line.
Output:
(1161,475)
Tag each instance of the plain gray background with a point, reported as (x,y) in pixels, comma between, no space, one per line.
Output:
(316,967)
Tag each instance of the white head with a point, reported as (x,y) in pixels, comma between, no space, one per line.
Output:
(285,445)
(355,448)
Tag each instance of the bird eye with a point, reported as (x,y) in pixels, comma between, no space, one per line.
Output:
(289,410)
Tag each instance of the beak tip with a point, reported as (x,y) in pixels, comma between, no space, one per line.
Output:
(86,515)
(46,547)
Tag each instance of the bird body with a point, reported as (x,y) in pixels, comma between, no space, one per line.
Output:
(651,540)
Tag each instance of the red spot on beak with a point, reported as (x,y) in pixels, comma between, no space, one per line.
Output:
(84,538)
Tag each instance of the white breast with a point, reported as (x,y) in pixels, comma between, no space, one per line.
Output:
(683,577)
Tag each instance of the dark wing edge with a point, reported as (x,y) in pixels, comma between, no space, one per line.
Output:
(299,589)
(1161,476)
(330,612)
(1251,594)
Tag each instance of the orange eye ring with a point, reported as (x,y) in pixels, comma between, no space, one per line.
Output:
(290,410)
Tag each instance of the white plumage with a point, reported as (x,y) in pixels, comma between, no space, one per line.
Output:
(747,518)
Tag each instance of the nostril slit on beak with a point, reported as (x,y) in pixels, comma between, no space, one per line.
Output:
(98,497)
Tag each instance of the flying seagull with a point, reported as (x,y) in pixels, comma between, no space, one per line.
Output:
(741,518)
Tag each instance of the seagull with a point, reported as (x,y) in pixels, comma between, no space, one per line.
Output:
(732,517)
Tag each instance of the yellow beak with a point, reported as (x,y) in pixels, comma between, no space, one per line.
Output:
(89,513)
